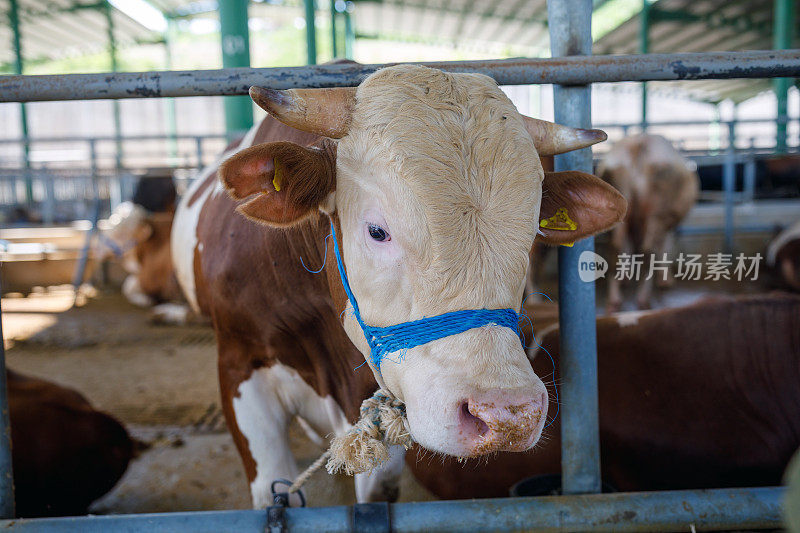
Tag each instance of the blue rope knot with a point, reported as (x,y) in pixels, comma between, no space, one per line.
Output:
(406,335)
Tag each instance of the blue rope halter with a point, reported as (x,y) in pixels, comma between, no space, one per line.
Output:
(401,337)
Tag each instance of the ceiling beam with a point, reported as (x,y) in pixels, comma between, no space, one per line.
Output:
(713,20)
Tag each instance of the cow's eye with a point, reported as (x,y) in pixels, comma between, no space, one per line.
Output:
(378,233)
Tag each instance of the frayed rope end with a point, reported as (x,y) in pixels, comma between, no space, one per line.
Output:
(366,445)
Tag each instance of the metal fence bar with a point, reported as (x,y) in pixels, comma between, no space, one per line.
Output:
(140,137)
(570,34)
(729,186)
(716,230)
(720,509)
(6,470)
(749,179)
(784,120)
(578,70)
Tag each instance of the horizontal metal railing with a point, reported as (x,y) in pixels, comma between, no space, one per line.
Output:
(704,510)
(575,70)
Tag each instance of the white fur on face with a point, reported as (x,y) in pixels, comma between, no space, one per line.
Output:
(445,165)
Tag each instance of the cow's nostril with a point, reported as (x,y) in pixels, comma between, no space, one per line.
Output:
(480,426)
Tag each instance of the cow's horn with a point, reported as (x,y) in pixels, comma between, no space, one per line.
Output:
(325,112)
(552,139)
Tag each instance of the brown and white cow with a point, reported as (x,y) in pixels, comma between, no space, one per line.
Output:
(139,233)
(434,184)
(694,397)
(660,187)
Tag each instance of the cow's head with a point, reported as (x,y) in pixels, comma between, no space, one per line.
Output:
(128,227)
(437,191)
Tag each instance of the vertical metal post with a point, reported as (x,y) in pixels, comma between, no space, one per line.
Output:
(729,185)
(112,53)
(169,103)
(644,48)
(235,36)
(16,44)
(570,34)
(311,33)
(199,146)
(782,36)
(349,33)
(6,468)
(334,37)
(714,142)
(83,260)
(49,203)
(749,185)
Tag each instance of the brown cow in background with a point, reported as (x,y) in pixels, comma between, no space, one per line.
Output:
(65,453)
(139,234)
(694,397)
(661,189)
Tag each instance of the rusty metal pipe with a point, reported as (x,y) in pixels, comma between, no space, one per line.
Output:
(706,510)
(576,70)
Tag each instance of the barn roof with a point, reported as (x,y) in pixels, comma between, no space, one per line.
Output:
(700,26)
(52,29)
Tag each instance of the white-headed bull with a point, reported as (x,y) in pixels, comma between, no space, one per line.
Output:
(435,189)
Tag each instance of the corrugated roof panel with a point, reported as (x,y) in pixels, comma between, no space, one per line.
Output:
(57,28)
(707,25)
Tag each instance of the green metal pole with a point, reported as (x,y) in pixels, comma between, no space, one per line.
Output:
(311,33)
(334,37)
(349,33)
(644,48)
(235,37)
(13,15)
(169,103)
(782,37)
(112,53)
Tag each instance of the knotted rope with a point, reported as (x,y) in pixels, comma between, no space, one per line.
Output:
(365,445)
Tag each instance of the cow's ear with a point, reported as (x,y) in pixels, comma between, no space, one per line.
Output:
(289,182)
(576,205)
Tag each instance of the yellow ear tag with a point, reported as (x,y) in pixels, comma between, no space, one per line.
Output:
(278,176)
(560,221)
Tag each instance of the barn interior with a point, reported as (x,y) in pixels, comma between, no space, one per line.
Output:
(68,167)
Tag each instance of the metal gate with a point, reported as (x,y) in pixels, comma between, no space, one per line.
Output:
(581,508)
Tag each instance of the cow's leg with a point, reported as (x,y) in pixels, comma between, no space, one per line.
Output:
(258,419)
(614,302)
(133,292)
(383,483)
(652,247)
(170,313)
(668,280)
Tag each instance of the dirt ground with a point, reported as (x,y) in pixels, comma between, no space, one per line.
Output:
(161,382)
